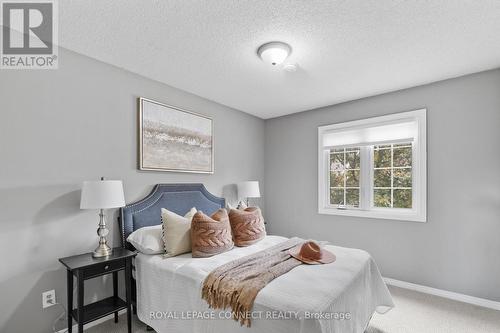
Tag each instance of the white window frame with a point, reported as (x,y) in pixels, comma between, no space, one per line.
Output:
(418,212)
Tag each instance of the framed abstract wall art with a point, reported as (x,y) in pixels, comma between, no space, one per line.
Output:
(173,139)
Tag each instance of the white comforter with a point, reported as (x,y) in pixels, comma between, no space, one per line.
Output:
(303,300)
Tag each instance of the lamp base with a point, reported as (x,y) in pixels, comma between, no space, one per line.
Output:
(102,250)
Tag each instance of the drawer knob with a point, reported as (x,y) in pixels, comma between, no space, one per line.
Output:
(106,267)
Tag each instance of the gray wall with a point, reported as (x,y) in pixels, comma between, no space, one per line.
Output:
(458,248)
(61,127)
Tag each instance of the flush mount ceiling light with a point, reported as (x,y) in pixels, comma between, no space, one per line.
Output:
(274,53)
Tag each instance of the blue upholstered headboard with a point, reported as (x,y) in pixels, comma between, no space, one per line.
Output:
(178,198)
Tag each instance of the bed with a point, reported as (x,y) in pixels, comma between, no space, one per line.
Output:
(338,297)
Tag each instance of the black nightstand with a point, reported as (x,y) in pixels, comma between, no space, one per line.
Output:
(85,267)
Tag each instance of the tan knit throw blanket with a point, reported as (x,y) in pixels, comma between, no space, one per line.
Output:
(237,283)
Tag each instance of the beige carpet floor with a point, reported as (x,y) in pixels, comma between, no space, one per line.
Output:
(414,313)
(422,313)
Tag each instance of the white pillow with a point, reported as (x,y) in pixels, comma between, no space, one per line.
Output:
(241,206)
(177,232)
(147,240)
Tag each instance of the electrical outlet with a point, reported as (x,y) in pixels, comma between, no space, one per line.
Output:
(48,298)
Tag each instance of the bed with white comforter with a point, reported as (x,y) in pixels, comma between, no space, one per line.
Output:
(339,297)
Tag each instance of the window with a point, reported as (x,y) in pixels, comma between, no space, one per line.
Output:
(374,167)
(344,177)
(392,174)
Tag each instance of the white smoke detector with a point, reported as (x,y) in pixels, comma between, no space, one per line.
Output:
(274,53)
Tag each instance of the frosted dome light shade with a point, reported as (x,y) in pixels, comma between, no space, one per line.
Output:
(274,53)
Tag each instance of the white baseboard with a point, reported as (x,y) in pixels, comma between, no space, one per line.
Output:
(95,322)
(445,294)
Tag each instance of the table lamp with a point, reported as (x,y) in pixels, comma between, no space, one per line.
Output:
(102,194)
(249,189)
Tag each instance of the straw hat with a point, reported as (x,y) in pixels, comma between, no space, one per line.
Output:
(311,253)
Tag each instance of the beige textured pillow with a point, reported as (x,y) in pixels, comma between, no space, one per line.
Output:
(247,226)
(210,235)
(176,232)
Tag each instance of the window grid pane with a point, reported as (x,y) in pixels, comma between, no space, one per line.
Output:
(397,170)
(345,171)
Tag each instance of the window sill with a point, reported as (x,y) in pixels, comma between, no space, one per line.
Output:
(376,214)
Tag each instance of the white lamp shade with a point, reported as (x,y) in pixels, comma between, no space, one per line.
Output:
(102,194)
(249,189)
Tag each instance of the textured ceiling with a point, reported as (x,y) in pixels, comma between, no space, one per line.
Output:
(345,49)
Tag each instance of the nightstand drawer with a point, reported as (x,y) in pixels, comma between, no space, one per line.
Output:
(103,268)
